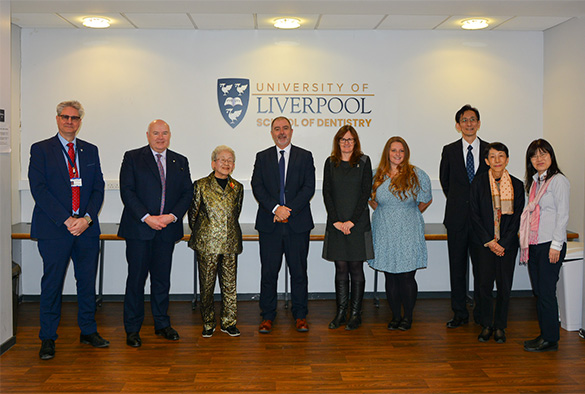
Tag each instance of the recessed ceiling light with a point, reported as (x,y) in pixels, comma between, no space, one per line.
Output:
(287,23)
(96,23)
(474,24)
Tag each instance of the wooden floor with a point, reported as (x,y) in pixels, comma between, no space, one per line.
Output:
(427,359)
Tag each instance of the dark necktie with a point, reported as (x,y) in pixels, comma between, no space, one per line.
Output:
(73,174)
(163,181)
(469,164)
(281,168)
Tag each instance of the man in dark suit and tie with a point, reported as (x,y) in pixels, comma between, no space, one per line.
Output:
(283,183)
(460,162)
(67,185)
(156,189)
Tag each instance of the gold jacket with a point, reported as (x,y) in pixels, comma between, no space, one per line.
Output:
(213,216)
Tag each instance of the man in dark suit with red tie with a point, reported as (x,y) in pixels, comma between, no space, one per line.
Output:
(156,189)
(283,183)
(67,185)
(460,162)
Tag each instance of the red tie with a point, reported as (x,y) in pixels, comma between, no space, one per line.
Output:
(72,174)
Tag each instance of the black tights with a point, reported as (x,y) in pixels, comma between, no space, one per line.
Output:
(345,269)
(401,290)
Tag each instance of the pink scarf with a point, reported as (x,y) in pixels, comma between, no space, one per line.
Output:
(530,220)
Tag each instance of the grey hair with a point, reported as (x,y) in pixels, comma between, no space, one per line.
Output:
(220,149)
(73,104)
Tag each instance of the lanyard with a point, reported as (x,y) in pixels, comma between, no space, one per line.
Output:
(71,163)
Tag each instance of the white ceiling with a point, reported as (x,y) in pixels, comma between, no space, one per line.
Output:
(536,15)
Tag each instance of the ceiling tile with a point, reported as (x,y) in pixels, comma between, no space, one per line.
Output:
(34,20)
(349,22)
(454,23)
(531,23)
(412,22)
(117,21)
(223,21)
(266,21)
(160,21)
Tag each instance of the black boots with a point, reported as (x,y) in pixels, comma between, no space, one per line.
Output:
(342,297)
(357,296)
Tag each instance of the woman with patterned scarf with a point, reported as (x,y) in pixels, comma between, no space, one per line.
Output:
(543,238)
(497,199)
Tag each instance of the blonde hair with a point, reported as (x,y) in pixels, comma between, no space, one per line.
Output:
(403,184)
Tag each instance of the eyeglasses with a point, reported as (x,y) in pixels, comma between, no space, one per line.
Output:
(67,117)
(347,140)
(225,161)
(470,120)
(539,155)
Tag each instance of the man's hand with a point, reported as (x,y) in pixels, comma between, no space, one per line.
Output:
(282,213)
(158,222)
(76,226)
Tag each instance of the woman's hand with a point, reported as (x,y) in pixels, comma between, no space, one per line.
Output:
(554,255)
(373,204)
(346,226)
(496,248)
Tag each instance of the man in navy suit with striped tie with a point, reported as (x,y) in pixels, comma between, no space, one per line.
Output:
(283,183)
(67,185)
(461,161)
(156,189)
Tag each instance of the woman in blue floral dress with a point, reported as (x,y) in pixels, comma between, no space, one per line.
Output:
(400,193)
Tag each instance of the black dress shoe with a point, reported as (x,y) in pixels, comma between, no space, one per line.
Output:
(485,334)
(94,340)
(393,325)
(168,333)
(47,351)
(133,339)
(456,322)
(532,342)
(405,324)
(543,346)
(500,335)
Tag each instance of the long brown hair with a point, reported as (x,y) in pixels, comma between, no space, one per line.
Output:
(403,184)
(357,147)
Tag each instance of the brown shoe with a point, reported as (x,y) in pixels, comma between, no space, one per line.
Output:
(265,327)
(302,325)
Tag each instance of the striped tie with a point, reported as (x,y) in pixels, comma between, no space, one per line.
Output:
(163,181)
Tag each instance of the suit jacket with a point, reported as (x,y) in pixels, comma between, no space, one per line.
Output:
(50,186)
(482,213)
(455,183)
(141,190)
(213,216)
(299,188)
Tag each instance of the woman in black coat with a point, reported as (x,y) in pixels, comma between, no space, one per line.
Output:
(497,200)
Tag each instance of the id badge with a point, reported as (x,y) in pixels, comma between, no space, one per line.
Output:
(75,182)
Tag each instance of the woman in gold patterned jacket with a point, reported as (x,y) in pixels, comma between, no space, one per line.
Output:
(216,237)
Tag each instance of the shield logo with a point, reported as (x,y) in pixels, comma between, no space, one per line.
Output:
(233,95)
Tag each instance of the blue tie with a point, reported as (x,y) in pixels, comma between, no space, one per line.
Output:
(469,164)
(281,168)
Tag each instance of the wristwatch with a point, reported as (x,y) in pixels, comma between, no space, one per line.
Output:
(89,221)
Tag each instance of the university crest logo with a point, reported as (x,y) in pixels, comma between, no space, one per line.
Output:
(233,95)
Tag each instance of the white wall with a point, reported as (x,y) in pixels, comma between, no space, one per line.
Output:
(5,189)
(564,100)
(417,80)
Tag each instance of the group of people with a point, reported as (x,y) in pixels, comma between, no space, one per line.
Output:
(484,212)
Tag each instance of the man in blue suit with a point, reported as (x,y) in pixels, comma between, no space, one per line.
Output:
(283,183)
(461,161)
(156,189)
(67,185)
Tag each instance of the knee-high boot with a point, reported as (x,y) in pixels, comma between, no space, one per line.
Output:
(357,296)
(342,298)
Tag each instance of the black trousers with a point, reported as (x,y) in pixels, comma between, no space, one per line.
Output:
(544,277)
(295,247)
(460,247)
(144,257)
(501,270)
